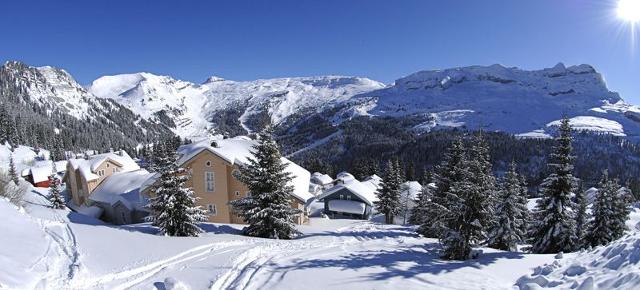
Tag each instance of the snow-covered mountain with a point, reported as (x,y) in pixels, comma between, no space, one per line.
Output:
(195,109)
(504,99)
(51,88)
(43,98)
(494,97)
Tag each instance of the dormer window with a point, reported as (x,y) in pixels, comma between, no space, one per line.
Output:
(208,163)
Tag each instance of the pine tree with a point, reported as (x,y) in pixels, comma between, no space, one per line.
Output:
(482,196)
(511,214)
(600,228)
(438,209)
(621,209)
(554,227)
(12,171)
(470,200)
(55,196)
(581,217)
(173,209)
(389,193)
(267,210)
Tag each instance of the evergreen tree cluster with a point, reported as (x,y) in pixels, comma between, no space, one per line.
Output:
(468,207)
(25,122)
(377,140)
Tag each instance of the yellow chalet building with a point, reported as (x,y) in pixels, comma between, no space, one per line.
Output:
(211,165)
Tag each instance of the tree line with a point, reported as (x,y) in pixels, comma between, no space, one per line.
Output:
(470,207)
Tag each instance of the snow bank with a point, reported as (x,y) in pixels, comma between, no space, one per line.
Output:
(23,244)
(616,266)
(593,124)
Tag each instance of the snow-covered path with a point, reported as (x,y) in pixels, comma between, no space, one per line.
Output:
(65,250)
(332,254)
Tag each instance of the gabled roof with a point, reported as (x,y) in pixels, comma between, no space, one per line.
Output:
(365,190)
(122,187)
(238,150)
(88,167)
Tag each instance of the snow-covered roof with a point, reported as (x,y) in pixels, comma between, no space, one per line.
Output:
(89,166)
(348,206)
(42,169)
(372,182)
(238,150)
(321,178)
(345,176)
(123,187)
(411,188)
(365,190)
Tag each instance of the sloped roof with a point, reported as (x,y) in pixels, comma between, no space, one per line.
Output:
(322,178)
(238,150)
(87,167)
(123,187)
(42,169)
(365,190)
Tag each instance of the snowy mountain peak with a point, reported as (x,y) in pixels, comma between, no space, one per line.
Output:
(193,110)
(213,79)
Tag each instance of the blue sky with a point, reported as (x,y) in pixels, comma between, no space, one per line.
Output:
(382,40)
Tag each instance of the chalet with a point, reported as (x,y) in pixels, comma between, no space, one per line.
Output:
(350,197)
(108,181)
(212,165)
(38,175)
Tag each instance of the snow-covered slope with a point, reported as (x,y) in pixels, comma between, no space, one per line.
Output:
(614,266)
(505,99)
(51,88)
(192,106)
(494,97)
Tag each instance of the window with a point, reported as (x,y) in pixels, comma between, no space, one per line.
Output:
(208,164)
(237,193)
(113,170)
(342,196)
(348,197)
(209,183)
(107,165)
(211,209)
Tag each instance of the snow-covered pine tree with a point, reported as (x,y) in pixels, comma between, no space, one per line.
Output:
(471,199)
(600,228)
(419,210)
(438,209)
(267,210)
(55,196)
(554,227)
(13,175)
(389,193)
(511,213)
(480,200)
(173,208)
(621,209)
(581,217)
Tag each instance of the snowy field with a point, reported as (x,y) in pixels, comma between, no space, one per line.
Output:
(58,249)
